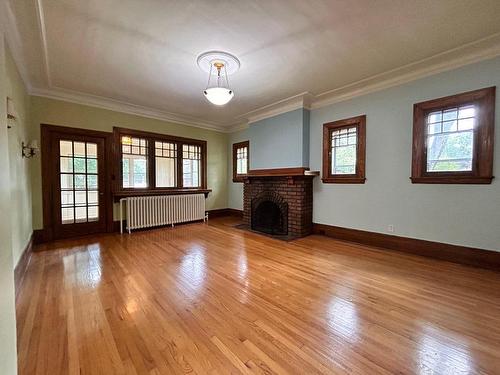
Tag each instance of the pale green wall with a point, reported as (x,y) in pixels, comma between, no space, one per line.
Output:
(20,192)
(55,112)
(235,189)
(8,356)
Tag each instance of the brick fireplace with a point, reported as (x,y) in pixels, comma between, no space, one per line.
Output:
(278,202)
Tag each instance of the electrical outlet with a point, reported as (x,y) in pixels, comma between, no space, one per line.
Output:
(390,228)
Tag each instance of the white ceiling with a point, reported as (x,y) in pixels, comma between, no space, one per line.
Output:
(143,52)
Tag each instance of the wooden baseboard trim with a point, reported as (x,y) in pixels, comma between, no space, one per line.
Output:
(22,265)
(224,212)
(40,236)
(452,253)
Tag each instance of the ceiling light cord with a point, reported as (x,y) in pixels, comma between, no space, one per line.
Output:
(209,75)
(227,78)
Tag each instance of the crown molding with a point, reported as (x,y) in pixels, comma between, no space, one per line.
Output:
(13,38)
(470,53)
(124,107)
(302,100)
(237,127)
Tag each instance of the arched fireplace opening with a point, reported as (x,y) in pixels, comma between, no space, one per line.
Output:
(270,214)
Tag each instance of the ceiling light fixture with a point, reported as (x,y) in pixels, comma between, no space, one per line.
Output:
(218,64)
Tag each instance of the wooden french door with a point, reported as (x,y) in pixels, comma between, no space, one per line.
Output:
(77,179)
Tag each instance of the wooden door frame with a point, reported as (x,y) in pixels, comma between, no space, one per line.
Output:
(47,132)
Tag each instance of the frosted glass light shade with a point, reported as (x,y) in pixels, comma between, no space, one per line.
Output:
(218,95)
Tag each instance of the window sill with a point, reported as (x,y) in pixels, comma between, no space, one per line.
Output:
(343,180)
(239,178)
(144,193)
(451,180)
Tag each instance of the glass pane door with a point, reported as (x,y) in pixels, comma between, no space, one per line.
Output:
(79,182)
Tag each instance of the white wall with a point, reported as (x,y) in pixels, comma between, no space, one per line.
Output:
(466,215)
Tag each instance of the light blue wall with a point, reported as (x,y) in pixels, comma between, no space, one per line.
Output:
(306,118)
(466,215)
(278,142)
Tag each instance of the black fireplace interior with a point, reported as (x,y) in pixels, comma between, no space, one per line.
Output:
(270,217)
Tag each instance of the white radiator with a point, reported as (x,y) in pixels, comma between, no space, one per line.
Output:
(144,212)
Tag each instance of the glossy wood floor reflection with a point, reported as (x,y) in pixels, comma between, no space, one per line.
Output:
(213,299)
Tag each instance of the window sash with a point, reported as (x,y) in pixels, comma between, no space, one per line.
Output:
(242,160)
(447,127)
(241,163)
(343,139)
(344,151)
(166,158)
(191,165)
(429,120)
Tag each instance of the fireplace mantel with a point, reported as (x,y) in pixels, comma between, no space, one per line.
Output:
(281,172)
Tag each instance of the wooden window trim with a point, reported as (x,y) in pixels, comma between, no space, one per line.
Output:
(359,177)
(118,190)
(482,160)
(240,177)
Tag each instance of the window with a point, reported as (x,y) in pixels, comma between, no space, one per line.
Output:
(191,165)
(135,162)
(453,139)
(79,182)
(158,162)
(240,161)
(344,151)
(166,164)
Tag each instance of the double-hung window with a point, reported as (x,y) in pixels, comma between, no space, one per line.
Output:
(240,160)
(134,162)
(453,139)
(344,151)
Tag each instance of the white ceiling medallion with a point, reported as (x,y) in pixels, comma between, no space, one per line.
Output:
(219,64)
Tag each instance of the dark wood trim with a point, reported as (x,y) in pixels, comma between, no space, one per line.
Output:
(220,212)
(47,132)
(452,180)
(482,163)
(157,136)
(359,176)
(295,171)
(240,177)
(452,253)
(22,265)
(118,189)
(40,236)
(124,194)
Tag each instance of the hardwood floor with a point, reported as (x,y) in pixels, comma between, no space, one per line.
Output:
(213,299)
